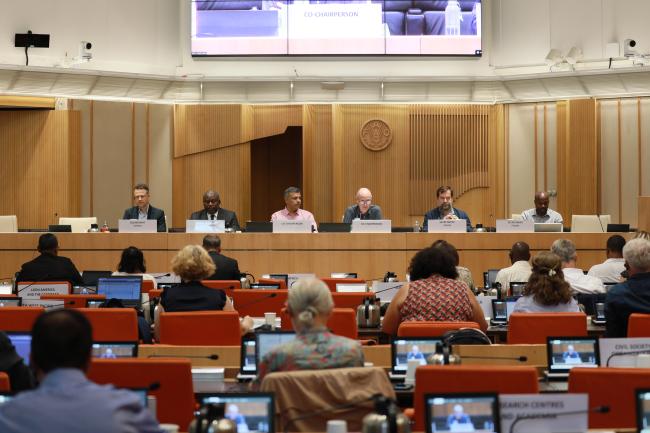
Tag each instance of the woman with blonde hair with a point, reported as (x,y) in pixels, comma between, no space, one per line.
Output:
(546,291)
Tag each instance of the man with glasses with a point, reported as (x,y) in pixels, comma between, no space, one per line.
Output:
(364,209)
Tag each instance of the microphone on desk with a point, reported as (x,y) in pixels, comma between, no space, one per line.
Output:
(163,276)
(521,358)
(629,352)
(212,356)
(597,409)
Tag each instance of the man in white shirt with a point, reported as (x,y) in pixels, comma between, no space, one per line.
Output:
(541,213)
(610,270)
(579,282)
(520,270)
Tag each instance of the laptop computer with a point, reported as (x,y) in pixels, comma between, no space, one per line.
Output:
(490,277)
(351,287)
(284,277)
(252,350)
(125,289)
(517,288)
(334,227)
(22,341)
(90,278)
(10,301)
(60,228)
(548,227)
(344,275)
(403,349)
(259,227)
(599,314)
(501,310)
(618,228)
(462,412)
(251,411)
(564,353)
(642,410)
(94,303)
(264,286)
(115,349)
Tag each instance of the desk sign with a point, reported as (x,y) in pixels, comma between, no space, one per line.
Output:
(543,413)
(622,352)
(386,291)
(48,304)
(371,226)
(205,226)
(515,226)
(447,226)
(292,278)
(137,226)
(291,226)
(34,291)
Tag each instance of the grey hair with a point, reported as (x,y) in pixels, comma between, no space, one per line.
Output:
(637,254)
(291,190)
(565,249)
(309,297)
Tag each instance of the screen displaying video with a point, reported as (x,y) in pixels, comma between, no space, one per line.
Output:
(567,354)
(462,414)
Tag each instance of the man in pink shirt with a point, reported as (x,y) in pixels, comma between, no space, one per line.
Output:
(292,211)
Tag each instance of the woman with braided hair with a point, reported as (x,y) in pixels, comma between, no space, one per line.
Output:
(546,291)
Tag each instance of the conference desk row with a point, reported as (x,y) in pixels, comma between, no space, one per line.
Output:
(369,255)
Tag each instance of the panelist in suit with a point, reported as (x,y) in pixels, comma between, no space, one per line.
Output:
(212,210)
(364,209)
(292,211)
(227,268)
(49,266)
(143,210)
(445,209)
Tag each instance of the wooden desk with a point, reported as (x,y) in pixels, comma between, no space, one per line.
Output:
(370,255)
(499,334)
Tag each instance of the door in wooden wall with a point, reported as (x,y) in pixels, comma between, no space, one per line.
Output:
(276,163)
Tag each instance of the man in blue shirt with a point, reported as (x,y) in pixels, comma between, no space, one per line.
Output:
(445,209)
(66,401)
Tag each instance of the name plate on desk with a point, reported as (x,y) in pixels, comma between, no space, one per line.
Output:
(291,226)
(205,226)
(29,290)
(137,226)
(48,304)
(543,413)
(622,352)
(371,226)
(515,226)
(388,290)
(447,226)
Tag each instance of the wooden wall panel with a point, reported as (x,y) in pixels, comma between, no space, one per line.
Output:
(198,128)
(317,160)
(41,166)
(271,120)
(226,170)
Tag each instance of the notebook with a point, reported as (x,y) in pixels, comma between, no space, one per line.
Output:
(22,341)
(252,351)
(564,353)
(501,310)
(125,289)
(406,348)
(462,413)
(115,349)
(251,411)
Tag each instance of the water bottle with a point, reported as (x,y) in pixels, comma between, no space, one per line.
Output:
(453,17)
(416,227)
(105,228)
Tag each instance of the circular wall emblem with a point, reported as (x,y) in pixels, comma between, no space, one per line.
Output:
(376,135)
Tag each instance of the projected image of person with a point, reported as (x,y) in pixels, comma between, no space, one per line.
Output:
(233,414)
(108,354)
(415,353)
(570,355)
(458,420)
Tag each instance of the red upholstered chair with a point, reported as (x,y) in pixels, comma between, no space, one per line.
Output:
(533,328)
(431,329)
(75,301)
(282,283)
(222,284)
(470,379)
(147,286)
(613,387)
(332,282)
(343,321)
(18,318)
(155,293)
(256,302)
(5,383)
(200,328)
(112,324)
(638,325)
(349,300)
(174,395)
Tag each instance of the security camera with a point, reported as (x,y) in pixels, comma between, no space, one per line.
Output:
(629,47)
(85,52)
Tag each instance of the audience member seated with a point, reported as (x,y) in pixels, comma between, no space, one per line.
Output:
(520,270)
(433,294)
(579,282)
(66,401)
(464,274)
(227,268)
(49,266)
(632,296)
(364,209)
(610,270)
(310,304)
(132,263)
(546,291)
(20,376)
(193,264)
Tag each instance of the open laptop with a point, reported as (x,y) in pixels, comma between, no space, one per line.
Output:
(548,227)
(259,227)
(115,349)
(90,278)
(10,301)
(564,353)
(251,411)
(334,227)
(599,314)
(462,413)
(125,289)
(253,350)
(501,310)
(22,341)
(60,228)
(643,410)
(517,288)
(403,349)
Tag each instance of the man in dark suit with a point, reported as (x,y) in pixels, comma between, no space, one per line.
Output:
(49,266)
(213,211)
(445,209)
(143,210)
(227,268)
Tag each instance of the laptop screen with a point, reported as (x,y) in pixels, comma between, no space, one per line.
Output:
(126,349)
(501,310)
(643,410)
(490,277)
(251,412)
(462,413)
(265,341)
(564,353)
(247,361)
(405,349)
(123,288)
(517,289)
(10,301)
(22,341)
(5,397)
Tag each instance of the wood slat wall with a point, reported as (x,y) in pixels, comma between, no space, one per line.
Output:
(317,160)
(198,128)
(40,165)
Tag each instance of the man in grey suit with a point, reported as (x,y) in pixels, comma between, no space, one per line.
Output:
(364,209)
(143,210)
(212,210)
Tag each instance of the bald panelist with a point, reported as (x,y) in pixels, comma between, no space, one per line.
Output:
(212,210)
(364,209)
(541,212)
